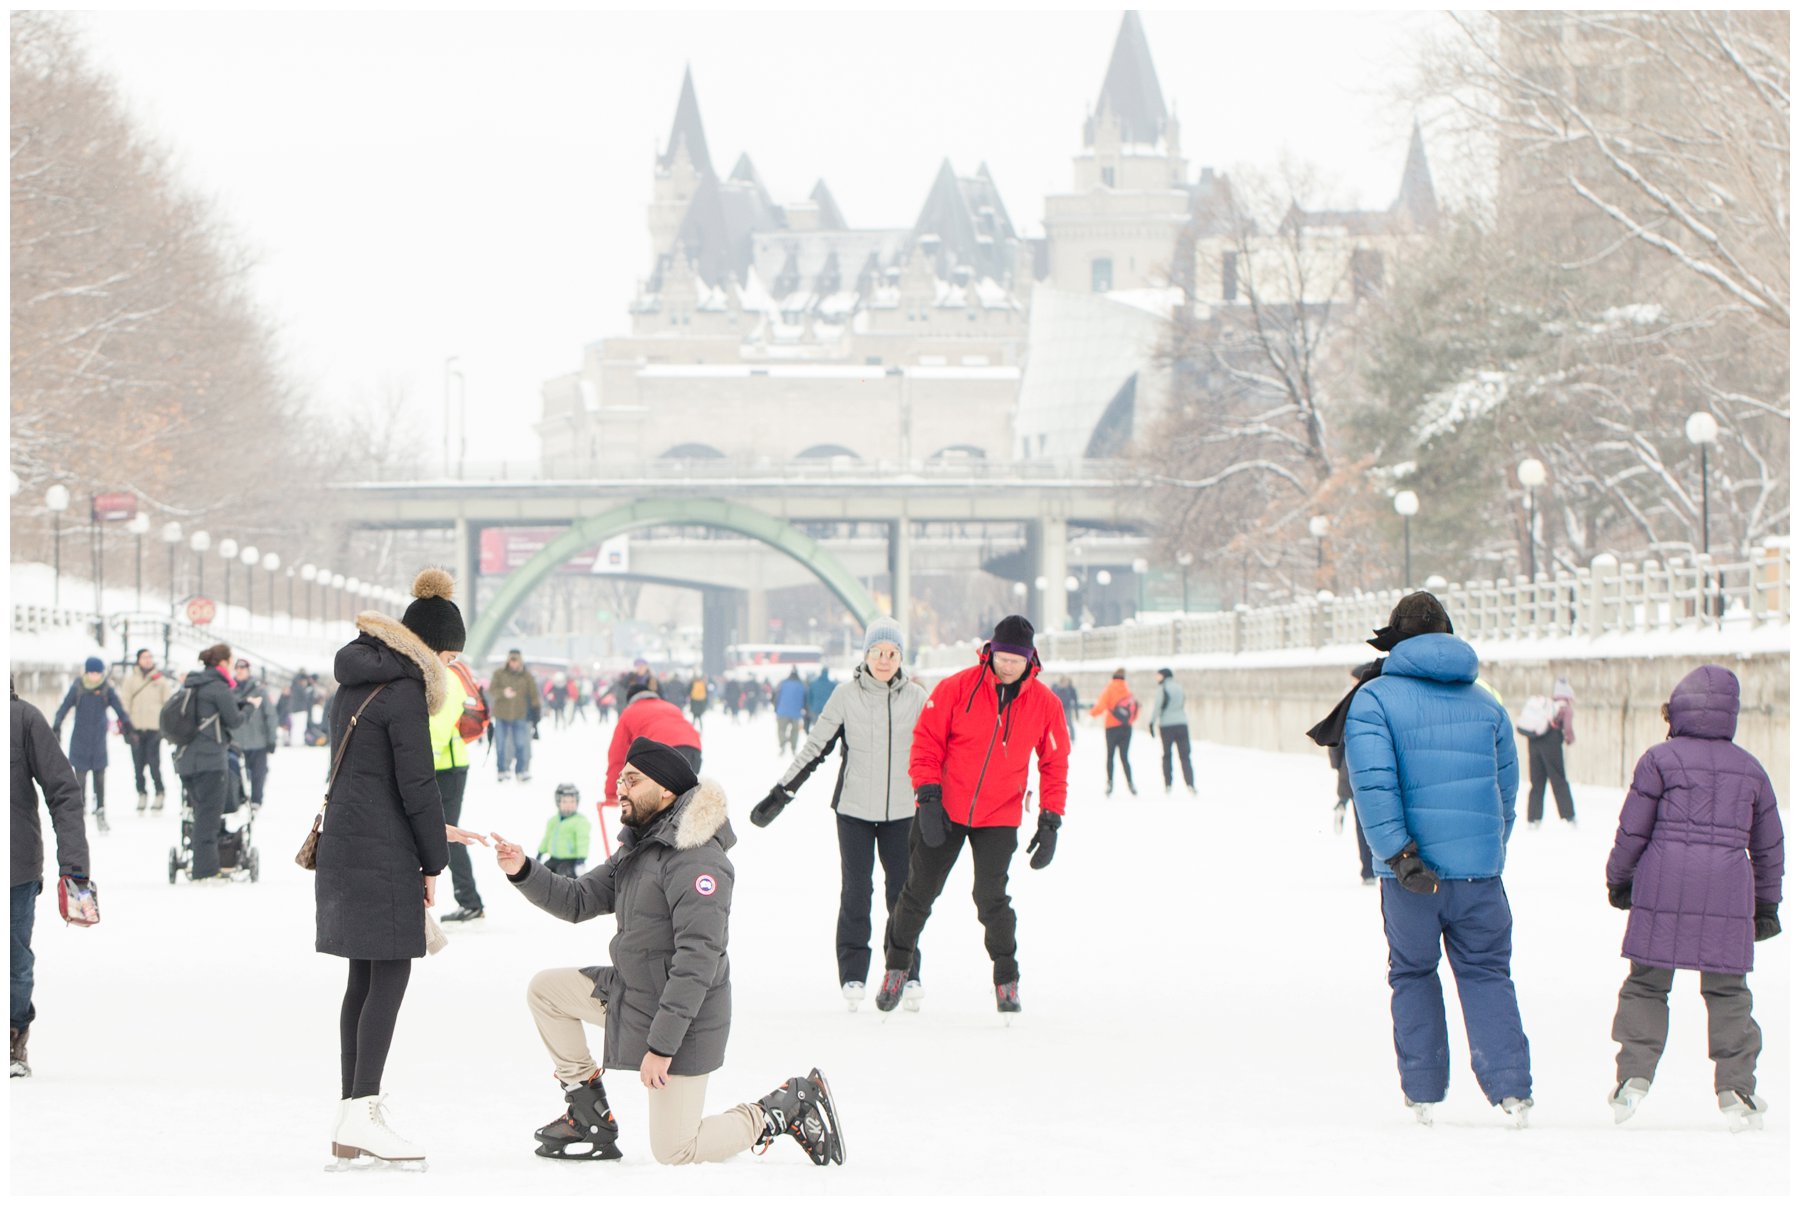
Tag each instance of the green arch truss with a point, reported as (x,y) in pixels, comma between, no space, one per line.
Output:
(707,512)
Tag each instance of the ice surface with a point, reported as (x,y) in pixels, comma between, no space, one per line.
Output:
(1203,981)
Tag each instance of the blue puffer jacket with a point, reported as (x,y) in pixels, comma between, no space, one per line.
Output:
(1432,759)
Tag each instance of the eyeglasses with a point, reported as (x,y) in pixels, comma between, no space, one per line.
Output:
(629,779)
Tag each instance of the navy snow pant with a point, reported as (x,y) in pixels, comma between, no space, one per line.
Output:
(1470,920)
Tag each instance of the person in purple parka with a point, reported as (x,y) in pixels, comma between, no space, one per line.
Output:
(1697,859)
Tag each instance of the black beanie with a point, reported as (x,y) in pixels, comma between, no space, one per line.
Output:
(1414,615)
(1014,635)
(432,617)
(663,764)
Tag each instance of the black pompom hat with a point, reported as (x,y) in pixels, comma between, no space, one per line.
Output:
(432,617)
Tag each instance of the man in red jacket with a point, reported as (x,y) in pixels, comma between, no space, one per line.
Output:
(647,714)
(971,756)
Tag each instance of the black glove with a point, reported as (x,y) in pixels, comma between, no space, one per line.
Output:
(1767,924)
(770,806)
(1412,872)
(934,824)
(1619,895)
(1042,847)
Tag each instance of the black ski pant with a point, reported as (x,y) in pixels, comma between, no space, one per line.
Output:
(1546,754)
(859,843)
(98,779)
(206,796)
(146,755)
(1175,740)
(256,765)
(366,1022)
(451,784)
(927,869)
(1118,741)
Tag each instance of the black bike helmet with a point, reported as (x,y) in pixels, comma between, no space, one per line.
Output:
(567,789)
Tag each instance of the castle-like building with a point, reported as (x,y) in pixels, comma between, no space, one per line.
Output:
(952,339)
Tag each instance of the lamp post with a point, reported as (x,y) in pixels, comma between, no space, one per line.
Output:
(1406,504)
(250,556)
(140,523)
(271,562)
(353,587)
(228,550)
(1703,430)
(337,591)
(1184,560)
(200,542)
(171,534)
(1531,476)
(1318,525)
(1139,568)
(309,573)
(57,499)
(450,370)
(290,611)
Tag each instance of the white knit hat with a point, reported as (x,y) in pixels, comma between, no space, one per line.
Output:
(887,628)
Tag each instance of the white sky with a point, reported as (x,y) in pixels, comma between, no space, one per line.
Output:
(424,184)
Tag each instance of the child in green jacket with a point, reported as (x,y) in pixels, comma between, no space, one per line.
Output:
(566,836)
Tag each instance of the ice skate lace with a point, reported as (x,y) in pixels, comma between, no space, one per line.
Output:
(383,1116)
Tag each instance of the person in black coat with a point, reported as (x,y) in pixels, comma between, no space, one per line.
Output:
(381,847)
(37,760)
(203,763)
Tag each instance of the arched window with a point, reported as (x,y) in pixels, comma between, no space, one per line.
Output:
(692,452)
(822,452)
(958,452)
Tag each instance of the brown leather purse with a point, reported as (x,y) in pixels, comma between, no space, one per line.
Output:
(309,849)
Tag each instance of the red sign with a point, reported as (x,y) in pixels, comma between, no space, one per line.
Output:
(111,508)
(200,611)
(504,550)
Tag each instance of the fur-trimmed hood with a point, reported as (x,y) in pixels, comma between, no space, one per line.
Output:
(696,818)
(389,650)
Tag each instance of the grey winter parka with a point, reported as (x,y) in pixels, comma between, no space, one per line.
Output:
(668,989)
(384,827)
(260,723)
(38,759)
(220,715)
(875,722)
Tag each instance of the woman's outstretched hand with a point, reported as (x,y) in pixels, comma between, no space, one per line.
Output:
(510,857)
(463,837)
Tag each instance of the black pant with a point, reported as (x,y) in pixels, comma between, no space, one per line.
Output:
(146,754)
(206,796)
(926,871)
(366,1022)
(256,764)
(451,784)
(1174,737)
(1546,755)
(98,779)
(859,842)
(1118,741)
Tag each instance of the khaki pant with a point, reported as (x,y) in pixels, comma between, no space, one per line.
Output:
(561,999)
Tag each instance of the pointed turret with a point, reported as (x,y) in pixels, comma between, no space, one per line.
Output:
(830,216)
(1131,94)
(1417,202)
(686,133)
(744,172)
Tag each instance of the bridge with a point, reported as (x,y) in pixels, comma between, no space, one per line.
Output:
(764,502)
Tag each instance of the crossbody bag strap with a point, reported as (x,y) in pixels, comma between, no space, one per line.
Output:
(345,743)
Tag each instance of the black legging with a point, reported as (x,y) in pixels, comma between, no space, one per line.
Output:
(97,778)
(1118,741)
(366,1024)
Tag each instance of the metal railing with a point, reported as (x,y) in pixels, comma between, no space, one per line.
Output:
(1633,598)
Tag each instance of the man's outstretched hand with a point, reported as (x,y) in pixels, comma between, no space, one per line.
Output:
(510,857)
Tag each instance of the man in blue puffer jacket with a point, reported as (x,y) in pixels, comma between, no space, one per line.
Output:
(1434,768)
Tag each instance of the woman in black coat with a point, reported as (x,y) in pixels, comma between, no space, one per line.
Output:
(381,846)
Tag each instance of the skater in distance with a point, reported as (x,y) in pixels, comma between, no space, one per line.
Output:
(664,1002)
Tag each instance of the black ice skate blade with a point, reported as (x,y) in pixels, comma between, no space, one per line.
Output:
(596,1151)
(836,1149)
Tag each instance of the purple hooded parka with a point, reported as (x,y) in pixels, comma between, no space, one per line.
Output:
(1699,838)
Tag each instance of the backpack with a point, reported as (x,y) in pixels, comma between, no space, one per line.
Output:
(1536,715)
(1126,710)
(476,714)
(179,719)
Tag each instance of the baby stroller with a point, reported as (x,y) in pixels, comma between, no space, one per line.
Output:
(238,858)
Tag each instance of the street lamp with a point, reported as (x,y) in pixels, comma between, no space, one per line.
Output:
(199,542)
(1139,568)
(228,549)
(1318,525)
(272,562)
(1703,429)
(249,556)
(337,588)
(1531,476)
(1406,503)
(309,573)
(1184,560)
(140,523)
(57,499)
(1020,590)
(171,534)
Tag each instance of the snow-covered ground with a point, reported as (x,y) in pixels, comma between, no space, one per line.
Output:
(1203,981)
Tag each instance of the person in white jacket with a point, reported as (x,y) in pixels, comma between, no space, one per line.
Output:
(871,716)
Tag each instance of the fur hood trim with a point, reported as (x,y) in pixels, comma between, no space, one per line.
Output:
(702,816)
(401,640)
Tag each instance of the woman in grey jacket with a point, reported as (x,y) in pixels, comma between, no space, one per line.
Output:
(873,716)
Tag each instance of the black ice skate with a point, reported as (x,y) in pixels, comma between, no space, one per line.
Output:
(21,1065)
(893,987)
(586,1132)
(804,1109)
(1006,997)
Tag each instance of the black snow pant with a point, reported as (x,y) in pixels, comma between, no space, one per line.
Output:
(927,870)
(146,755)
(1641,1026)
(256,765)
(1118,741)
(206,796)
(366,1022)
(1175,739)
(859,844)
(98,779)
(1546,753)
(451,784)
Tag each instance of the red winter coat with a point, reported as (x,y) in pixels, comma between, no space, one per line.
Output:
(981,757)
(657,719)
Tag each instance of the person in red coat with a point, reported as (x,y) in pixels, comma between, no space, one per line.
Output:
(971,757)
(647,714)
